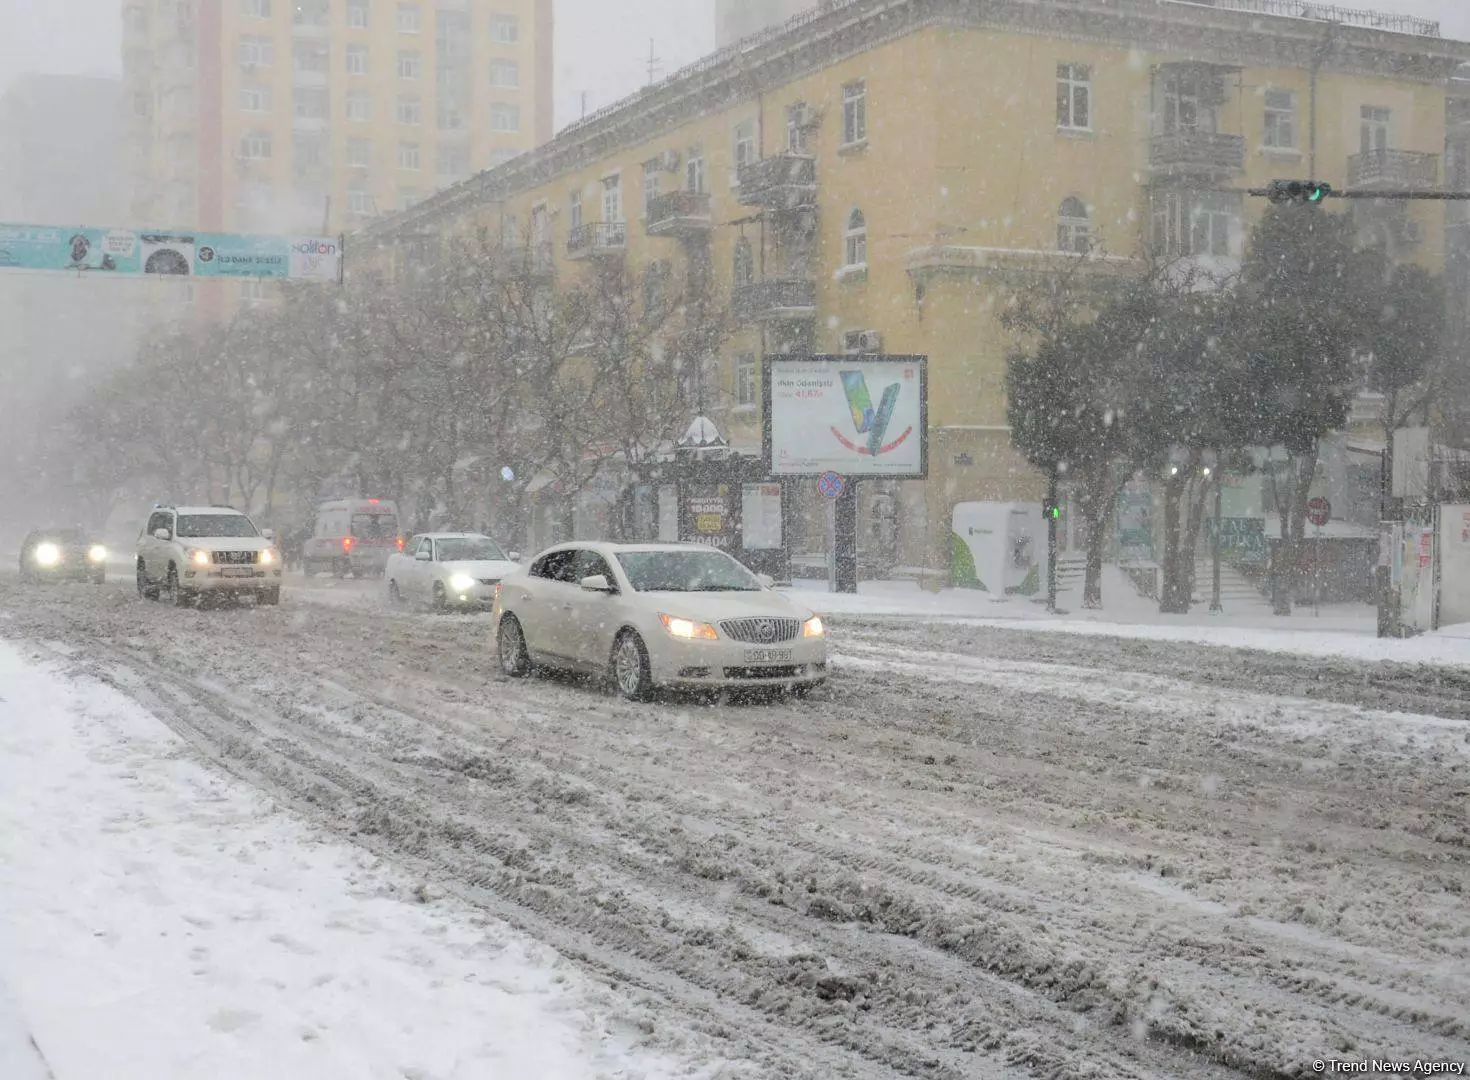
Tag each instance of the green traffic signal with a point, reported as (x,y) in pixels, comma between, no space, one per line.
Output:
(1298,191)
(1317,192)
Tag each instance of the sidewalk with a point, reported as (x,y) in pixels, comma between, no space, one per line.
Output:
(19,1057)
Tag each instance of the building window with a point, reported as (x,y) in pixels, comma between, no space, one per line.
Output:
(855,113)
(1074,229)
(506,118)
(1074,97)
(308,152)
(505,74)
(255,146)
(1280,128)
(745,381)
(256,52)
(694,178)
(743,266)
(359,153)
(856,237)
(311,13)
(743,148)
(357,59)
(255,9)
(410,64)
(505,29)
(1197,224)
(357,14)
(309,56)
(796,127)
(612,199)
(410,110)
(408,156)
(255,99)
(309,103)
(1186,105)
(449,116)
(651,183)
(408,18)
(359,106)
(1374,130)
(574,210)
(359,202)
(452,161)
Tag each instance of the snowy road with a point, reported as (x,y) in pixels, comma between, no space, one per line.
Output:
(980,853)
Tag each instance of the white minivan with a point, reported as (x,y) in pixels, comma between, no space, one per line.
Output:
(352,536)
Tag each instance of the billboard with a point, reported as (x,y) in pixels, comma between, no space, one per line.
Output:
(852,415)
(156,252)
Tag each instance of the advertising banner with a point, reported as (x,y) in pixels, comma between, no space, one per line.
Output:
(849,415)
(713,520)
(760,516)
(127,252)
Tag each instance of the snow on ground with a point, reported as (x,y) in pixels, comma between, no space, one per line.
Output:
(164,923)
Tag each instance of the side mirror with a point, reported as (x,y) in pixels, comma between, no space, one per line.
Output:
(269,534)
(161,534)
(597,583)
(766,580)
(515,556)
(423,556)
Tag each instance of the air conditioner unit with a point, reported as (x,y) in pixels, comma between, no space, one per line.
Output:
(869,341)
(670,160)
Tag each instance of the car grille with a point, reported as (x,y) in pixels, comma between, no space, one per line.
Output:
(234,558)
(760,631)
(788,671)
(489,581)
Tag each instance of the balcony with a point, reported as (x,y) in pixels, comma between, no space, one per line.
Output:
(1393,169)
(774,300)
(1205,153)
(307,77)
(537,261)
(309,123)
(779,182)
(599,239)
(680,213)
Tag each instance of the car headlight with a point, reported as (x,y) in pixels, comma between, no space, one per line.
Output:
(97,553)
(688,629)
(47,555)
(461,583)
(267,557)
(199,558)
(814,627)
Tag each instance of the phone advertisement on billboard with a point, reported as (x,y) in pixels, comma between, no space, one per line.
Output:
(850,415)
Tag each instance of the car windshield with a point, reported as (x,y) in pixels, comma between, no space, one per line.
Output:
(686,571)
(470,549)
(62,536)
(374,526)
(199,525)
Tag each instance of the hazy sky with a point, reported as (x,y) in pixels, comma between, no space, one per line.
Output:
(602,45)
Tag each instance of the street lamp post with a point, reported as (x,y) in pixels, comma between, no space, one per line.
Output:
(1213,470)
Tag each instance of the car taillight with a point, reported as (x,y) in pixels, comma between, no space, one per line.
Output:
(346,543)
(400,543)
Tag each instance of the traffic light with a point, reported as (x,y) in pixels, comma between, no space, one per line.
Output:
(1051,511)
(1297,192)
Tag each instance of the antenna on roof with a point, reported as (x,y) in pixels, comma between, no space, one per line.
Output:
(653,62)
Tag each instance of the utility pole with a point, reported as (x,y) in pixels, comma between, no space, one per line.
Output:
(1053,512)
(653,62)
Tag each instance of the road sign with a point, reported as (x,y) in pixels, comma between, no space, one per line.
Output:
(1319,511)
(832,485)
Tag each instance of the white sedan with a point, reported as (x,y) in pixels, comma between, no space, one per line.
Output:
(675,615)
(448,571)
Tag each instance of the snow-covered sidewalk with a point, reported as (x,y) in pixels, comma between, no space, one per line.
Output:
(165,923)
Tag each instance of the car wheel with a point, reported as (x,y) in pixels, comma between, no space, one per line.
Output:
(268,597)
(515,658)
(395,597)
(630,672)
(172,593)
(146,590)
(441,601)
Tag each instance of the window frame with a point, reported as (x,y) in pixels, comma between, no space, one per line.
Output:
(263,48)
(854,113)
(255,9)
(417,108)
(1072,78)
(366,14)
(1379,124)
(410,66)
(357,51)
(511,114)
(416,18)
(261,93)
(1074,227)
(575,210)
(409,151)
(742,147)
(359,97)
(499,64)
(612,198)
(1272,120)
(747,382)
(500,20)
(855,240)
(695,171)
(255,140)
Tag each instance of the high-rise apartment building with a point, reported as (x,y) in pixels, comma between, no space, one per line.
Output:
(735,19)
(312,115)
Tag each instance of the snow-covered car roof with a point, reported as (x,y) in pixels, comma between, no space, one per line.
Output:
(221,510)
(450,536)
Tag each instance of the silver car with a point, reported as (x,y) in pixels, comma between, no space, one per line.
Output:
(683,616)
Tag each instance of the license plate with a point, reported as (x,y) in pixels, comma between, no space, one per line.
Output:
(237,571)
(768,656)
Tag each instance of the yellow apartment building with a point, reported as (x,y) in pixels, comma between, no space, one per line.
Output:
(317,115)
(884,175)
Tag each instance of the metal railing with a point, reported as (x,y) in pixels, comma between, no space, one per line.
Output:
(773,297)
(1393,168)
(598,236)
(1207,150)
(1304,9)
(679,205)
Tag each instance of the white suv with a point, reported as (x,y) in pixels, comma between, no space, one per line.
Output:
(185,552)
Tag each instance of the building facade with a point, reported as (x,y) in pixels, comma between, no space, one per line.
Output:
(735,19)
(847,203)
(316,115)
